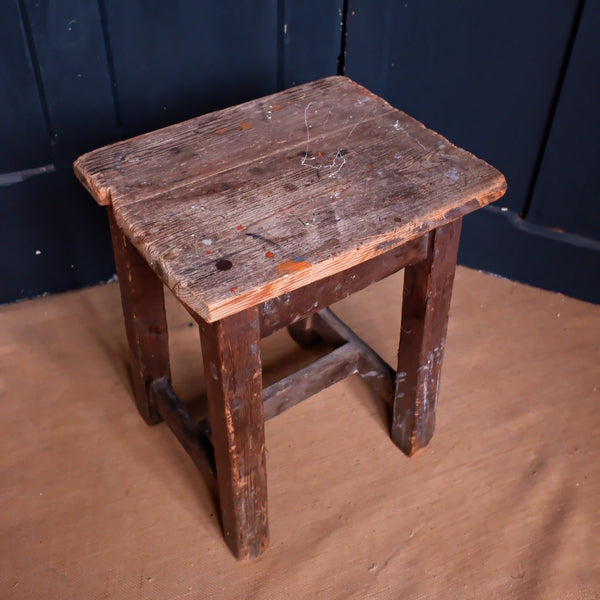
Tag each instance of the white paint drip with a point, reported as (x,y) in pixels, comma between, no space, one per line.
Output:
(452,173)
(372,374)
(213,371)
(334,162)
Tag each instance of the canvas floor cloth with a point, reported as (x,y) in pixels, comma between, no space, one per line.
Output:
(503,503)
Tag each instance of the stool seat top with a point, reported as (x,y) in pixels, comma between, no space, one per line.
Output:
(241,205)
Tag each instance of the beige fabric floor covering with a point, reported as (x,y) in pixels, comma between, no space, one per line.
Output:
(504,503)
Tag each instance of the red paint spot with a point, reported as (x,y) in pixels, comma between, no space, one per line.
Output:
(208,252)
(240,227)
(319,154)
(246,126)
(370,165)
(269,254)
(232,289)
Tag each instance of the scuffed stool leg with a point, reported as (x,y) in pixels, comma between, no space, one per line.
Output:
(232,367)
(142,298)
(425,307)
(303,332)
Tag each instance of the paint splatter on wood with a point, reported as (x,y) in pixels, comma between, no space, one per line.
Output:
(293,266)
(374,187)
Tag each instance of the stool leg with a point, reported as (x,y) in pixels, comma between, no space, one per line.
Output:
(425,307)
(142,298)
(232,367)
(303,332)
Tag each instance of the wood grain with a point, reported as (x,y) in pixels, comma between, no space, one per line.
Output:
(312,379)
(292,307)
(142,299)
(191,435)
(197,149)
(231,356)
(376,372)
(246,204)
(425,308)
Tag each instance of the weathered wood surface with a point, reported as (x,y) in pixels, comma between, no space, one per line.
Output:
(312,379)
(351,355)
(142,299)
(291,307)
(189,433)
(246,204)
(303,332)
(425,308)
(232,367)
(197,149)
(371,367)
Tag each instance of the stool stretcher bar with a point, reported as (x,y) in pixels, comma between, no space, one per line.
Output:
(350,355)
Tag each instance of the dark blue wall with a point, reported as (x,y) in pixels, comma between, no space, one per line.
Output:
(516,83)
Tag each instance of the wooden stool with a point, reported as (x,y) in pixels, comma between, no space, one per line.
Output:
(259,217)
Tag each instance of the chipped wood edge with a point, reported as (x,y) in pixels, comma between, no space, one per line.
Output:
(100,193)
